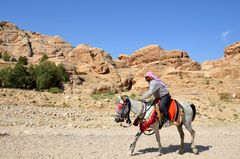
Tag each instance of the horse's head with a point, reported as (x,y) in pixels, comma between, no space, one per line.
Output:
(123,107)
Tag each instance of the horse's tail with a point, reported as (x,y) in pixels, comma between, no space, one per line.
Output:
(194,110)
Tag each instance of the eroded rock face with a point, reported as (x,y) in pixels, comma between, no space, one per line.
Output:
(7,26)
(30,44)
(228,67)
(221,69)
(100,67)
(146,54)
(190,66)
(87,54)
(153,53)
(123,61)
(232,50)
(94,58)
(102,74)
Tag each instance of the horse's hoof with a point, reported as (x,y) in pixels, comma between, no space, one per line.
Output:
(130,153)
(195,151)
(160,152)
(180,151)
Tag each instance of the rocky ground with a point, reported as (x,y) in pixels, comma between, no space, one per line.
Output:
(44,125)
(216,141)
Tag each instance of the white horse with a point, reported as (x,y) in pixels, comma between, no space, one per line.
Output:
(124,105)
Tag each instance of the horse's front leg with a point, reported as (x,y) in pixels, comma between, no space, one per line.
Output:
(155,128)
(133,144)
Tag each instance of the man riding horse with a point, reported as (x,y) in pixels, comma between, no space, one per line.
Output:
(183,113)
(159,90)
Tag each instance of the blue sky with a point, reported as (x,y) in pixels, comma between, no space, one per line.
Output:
(203,28)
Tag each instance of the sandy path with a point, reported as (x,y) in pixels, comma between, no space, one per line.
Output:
(21,142)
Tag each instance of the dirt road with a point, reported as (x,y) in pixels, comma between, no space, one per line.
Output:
(89,143)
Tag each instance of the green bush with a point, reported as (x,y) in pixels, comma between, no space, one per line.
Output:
(62,73)
(102,96)
(225,96)
(23,60)
(49,75)
(42,76)
(16,77)
(6,56)
(4,76)
(55,90)
(19,76)
(44,58)
(13,59)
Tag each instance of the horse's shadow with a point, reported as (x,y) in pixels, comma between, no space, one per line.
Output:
(174,148)
(4,134)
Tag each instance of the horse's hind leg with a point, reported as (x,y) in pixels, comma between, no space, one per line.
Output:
(156,131)
(181,133)
(132,146)
(192,132)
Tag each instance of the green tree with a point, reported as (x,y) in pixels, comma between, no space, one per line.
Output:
(6,56)
(33,77)
(47,75)
(44,58)
(4,76)
(19,77)
(62,73)
(23,60)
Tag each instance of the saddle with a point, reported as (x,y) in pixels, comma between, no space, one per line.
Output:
(175,113)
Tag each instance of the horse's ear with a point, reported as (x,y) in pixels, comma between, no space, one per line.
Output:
(124,97)
(121,99)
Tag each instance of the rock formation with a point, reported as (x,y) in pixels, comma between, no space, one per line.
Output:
(228,67)
(30,44)
(153,53)
(100,73)
(232,50)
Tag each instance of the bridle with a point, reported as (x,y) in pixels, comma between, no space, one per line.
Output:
(122,107)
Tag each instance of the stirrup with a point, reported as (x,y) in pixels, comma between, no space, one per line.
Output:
(167,124)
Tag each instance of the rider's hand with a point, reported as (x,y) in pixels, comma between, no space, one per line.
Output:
(143,100)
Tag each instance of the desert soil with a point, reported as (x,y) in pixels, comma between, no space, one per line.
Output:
(217,141)
(42,125)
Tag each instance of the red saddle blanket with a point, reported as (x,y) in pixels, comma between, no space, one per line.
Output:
(173,113)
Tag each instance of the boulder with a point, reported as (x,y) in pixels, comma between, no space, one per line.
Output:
(232,50)
(87,54)
(83,68)
(191,66)
(7,26)
(123,57)
(154,53)
(147,54)
(100,67)
(94,58)
(121,63)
